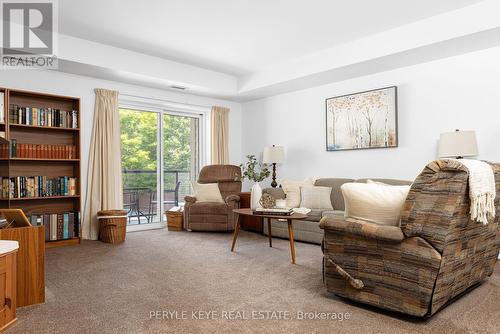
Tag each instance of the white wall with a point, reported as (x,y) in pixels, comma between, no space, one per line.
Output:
(83,87)
(454,93)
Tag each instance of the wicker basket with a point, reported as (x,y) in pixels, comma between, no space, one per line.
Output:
(174,218)
(112,225)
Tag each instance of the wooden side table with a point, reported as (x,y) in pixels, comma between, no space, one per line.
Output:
(175,218)
(250,223)
(248,212)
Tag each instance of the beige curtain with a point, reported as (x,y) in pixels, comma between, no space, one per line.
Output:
(220,135)
(104,183)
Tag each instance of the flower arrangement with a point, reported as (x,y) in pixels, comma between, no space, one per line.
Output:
(250,170)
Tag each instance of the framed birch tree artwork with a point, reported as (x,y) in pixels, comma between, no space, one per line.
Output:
(362,120)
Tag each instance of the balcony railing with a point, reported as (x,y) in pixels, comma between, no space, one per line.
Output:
(140,193)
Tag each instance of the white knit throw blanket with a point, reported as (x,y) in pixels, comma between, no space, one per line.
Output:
(481,190)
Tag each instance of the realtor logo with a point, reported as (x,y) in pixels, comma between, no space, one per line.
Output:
(28,34)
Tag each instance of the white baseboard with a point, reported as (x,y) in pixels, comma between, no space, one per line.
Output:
(144,227)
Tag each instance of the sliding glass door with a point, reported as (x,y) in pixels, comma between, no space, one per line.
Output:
(160,153)
(180,156)
(139,153)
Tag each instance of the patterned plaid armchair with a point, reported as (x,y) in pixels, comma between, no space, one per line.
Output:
(437,254)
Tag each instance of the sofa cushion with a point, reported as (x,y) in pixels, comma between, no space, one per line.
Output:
(336,195)
(298,225)
(303,230)
(315,215)
(208,208)
(292,191)
(315,197)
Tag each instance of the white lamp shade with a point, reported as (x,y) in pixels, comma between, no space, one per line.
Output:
(274,154)
(458,144)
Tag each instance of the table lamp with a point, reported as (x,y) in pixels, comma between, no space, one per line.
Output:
(274,155)
(458,144)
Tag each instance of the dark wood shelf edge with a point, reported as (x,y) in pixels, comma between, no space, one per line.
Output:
(61,243)
(38,198)
(22,126)
(40,159)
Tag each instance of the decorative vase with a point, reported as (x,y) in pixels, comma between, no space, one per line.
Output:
(255,196)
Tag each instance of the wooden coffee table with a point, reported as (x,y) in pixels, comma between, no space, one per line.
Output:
(289,219)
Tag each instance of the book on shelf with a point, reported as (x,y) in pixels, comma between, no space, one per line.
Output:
(273,211)
(41,151)
(58,226)
(5,187)
(53,227)
(43,117)
(13,147)
(38,186)
(4,151)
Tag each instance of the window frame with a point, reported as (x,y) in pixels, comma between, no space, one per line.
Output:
(183,110)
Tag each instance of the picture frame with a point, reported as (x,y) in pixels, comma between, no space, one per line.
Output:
(362,120)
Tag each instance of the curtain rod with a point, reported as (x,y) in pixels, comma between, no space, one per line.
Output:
(168,101)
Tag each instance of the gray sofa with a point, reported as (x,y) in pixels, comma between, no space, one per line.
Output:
(308,229)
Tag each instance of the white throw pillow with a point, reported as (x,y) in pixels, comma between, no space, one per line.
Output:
(375,203)
(316,197)
(207,192)
(292,191)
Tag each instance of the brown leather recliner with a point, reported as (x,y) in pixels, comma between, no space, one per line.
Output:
(208,216)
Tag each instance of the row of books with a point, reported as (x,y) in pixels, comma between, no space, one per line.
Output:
(41,151)
(38,186)
(58,226)
(43,117)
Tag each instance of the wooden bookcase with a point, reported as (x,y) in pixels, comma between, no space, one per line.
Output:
(51,168)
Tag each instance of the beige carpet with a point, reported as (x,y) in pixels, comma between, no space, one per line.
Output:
(101,288)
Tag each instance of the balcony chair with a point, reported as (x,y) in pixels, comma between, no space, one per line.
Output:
(130,200)
(153,202)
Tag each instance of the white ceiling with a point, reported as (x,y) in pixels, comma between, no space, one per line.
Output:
(238,36)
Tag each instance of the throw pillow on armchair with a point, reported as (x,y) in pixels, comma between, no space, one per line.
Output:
(207,192)
(375,203)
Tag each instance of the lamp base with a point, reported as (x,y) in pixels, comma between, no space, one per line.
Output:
(274,184)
